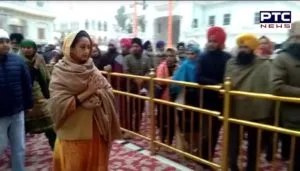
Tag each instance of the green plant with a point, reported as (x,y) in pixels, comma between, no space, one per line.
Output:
(121,18)
(142,23)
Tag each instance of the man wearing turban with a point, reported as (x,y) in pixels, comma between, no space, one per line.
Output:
(210,71)
(125,44)
(121,83)
(286,82)
(148,51)
(15,39)
(137,64)
(110,56)
(251,74)
(38,120)
(181,51)
(160,53)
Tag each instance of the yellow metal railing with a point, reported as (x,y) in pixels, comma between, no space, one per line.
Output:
(225,118)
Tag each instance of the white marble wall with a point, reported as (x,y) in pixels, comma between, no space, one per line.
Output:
(34,17)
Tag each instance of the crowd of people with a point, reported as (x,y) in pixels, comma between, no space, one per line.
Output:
(62,93)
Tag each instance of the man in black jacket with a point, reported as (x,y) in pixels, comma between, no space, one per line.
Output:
(15,99)
(211,68)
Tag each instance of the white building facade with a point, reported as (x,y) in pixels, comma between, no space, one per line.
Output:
(191,19)
(237,17)
(31,18)
(79,15)
(100,30)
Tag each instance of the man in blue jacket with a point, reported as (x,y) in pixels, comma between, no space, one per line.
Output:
(15,99)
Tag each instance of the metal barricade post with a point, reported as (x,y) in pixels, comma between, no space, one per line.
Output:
(227,87)
(152,110)
(108,70)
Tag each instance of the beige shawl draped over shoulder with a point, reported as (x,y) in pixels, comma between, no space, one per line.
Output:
(70,79)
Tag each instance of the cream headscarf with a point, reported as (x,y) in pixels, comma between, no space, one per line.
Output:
(69,79)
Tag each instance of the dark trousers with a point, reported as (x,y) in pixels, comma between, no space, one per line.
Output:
(234,144)
(214,102)
(166,122)
(286,150)
(285,146)
(207,149)
(297,155)
(267,144)
(51,136)
(136,113)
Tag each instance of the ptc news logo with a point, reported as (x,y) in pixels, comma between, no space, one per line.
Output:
(275,19)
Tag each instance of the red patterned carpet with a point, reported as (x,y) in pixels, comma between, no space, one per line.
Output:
(39,157)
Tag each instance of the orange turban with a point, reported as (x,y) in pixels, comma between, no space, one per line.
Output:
(218,33)
(249,40)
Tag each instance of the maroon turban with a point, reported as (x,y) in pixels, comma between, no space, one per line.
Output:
(218,34)
(126,42)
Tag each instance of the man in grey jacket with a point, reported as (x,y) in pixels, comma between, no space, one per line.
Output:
(286,82)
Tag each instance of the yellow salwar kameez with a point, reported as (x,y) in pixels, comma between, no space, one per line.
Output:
(89,155)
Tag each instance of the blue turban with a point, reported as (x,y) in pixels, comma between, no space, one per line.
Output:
(160,44)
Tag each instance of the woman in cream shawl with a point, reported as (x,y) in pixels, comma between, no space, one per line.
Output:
(82,108)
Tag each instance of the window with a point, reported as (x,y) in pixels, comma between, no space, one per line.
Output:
(105,40)
(93,25)
(195,23)
(159,27)
(226,19)
(72,25)
(100,41)
(3,20)
(99,26)
(63,26)
(211,20)
(76,25)
(105,26)
(16,29)
(256,18)
(87,24)
(40,3)
(41,33)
